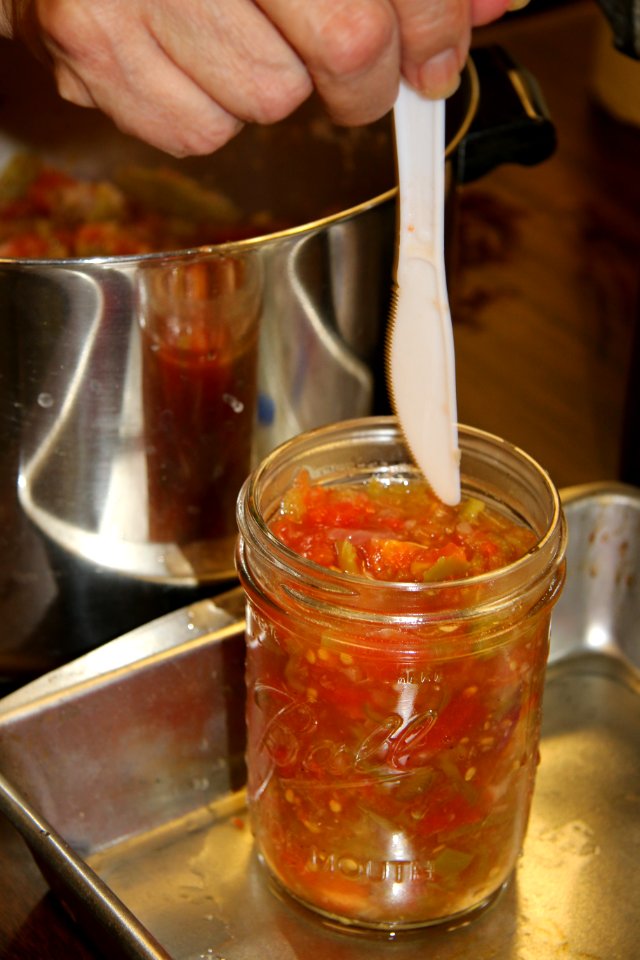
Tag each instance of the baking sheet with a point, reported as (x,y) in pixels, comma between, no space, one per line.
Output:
(135,755)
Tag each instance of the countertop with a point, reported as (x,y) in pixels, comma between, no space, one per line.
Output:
(546,294)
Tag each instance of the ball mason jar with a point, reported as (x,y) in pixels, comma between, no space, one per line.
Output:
(393,728)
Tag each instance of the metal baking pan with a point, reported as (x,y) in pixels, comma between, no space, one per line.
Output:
(124,772)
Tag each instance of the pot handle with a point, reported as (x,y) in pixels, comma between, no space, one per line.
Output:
(511,125)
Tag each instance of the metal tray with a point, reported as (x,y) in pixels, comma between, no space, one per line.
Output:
(124,771)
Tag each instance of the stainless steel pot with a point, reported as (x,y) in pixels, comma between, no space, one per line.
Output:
(127,458)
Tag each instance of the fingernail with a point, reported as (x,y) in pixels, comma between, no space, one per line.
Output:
(439,77)
(517,5)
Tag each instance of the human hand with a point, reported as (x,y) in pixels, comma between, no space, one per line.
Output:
(185,75)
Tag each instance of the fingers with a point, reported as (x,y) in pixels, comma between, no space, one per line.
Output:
(436,35)
(351,50)
(233,52)
(185,75)
(167,110)
(435,39)
(183,84)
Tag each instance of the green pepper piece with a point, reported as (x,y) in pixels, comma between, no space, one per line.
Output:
(446,568)
(450,863)
(348,557)
(471,509)
(172,193)
(19,173)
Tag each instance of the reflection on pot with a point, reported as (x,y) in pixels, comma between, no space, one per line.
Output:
(137,412)
(199,360)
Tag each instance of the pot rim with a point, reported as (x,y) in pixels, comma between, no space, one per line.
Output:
(248,243)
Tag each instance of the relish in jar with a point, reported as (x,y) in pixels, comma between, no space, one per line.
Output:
(395,669)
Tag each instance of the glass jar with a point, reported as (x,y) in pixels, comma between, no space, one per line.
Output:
(393,727)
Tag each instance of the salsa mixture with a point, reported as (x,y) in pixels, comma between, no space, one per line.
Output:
(47,212)
(396,531)
(390,776)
